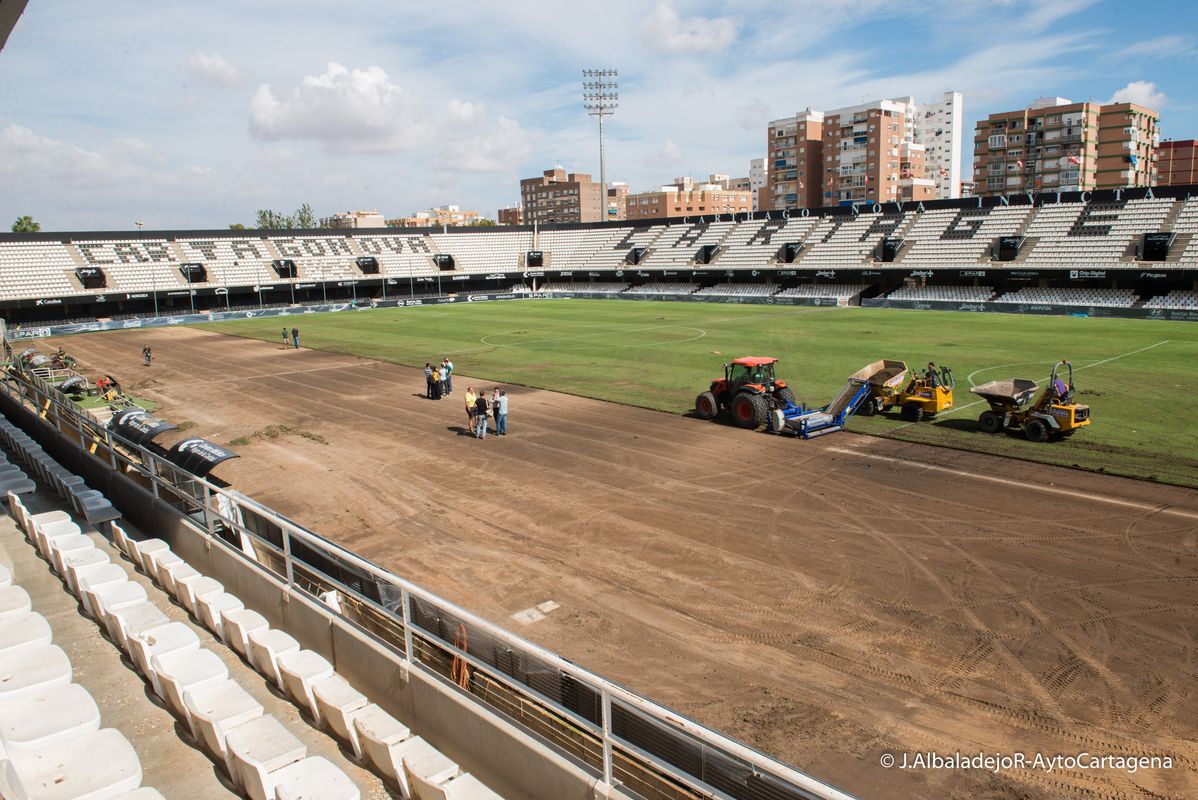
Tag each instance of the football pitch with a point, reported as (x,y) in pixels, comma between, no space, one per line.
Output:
(1138,376)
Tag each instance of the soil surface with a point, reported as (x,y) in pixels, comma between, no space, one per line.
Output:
(827,601)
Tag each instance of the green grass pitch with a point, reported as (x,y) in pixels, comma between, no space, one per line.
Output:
(1137,375)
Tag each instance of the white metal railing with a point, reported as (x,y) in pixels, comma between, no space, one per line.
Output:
(229,515)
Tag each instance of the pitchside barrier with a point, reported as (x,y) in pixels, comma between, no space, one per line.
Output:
(1046,309)
(535,724)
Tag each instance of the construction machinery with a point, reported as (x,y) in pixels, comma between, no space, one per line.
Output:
(925,395)
(860,386)
(749,390)
(1014,406)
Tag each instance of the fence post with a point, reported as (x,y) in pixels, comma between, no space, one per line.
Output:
(406,609)
(607,770)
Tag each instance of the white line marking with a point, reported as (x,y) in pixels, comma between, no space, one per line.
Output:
(1177,512)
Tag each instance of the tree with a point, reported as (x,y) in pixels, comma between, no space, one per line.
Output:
(304,218)
(273,220)
(236,226)
(26,225)
(483,222)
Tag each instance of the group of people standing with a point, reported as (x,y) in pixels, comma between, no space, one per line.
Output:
(477,406)
(439,383)
(438,379)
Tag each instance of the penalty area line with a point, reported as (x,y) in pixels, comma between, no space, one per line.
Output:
(1114,501)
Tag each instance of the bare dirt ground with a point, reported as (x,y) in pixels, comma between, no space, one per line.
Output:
(826,601)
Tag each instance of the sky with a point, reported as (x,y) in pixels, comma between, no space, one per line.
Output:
(194,115)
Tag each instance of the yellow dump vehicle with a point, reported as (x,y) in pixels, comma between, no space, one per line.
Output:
(1053,414)
(925,394)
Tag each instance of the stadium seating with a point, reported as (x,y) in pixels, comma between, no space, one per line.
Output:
(840,291)
(739,289)
(954,238)
(1073,235)
(753,244)
(846,242)
(676,247)
(590,288)
(232,262)
(1178,298)
(36,269)
(662,288)
(1058,236)
(485,250)
(963,294)
(1071,296)
(398,256)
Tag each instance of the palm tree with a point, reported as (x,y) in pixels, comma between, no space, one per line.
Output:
(26,225)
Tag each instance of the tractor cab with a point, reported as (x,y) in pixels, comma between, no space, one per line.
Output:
(749,390)
(749,372)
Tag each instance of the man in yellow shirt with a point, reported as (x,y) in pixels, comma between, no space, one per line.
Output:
(471,397)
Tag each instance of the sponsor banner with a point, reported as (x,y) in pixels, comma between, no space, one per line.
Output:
(690,298)
(1086,274)
(1036,308)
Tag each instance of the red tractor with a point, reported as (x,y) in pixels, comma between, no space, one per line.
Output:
(748,389)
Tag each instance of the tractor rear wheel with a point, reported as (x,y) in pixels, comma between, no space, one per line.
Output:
(786,397)
(912,412)
(1035,430)
(706,406)
(870,407)
(989,422)
(749,410)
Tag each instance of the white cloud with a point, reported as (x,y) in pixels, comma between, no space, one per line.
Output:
(669,156)
(501,148)
(215,70)
(666,28)
(463,111)
(354,109)
(1170,45)
(1142,93)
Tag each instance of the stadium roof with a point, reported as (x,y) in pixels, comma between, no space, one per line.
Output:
(10,12)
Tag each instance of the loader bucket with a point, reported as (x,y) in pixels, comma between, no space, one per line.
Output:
(1012,392)
(882,374)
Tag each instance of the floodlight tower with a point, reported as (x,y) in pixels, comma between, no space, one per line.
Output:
(600,97)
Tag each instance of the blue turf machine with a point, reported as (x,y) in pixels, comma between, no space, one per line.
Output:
(808,423)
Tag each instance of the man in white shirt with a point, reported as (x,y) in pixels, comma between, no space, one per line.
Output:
(501,415)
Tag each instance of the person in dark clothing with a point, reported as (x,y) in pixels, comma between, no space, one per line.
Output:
(480,416)
(428,380)
(146,355)
(295,337)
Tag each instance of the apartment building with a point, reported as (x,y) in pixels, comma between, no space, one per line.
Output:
(863,151)
(353,219)
(758,178)
(1176,164)
(813,162)
(510,216)
(617,199)
(939,126)
(914,181)
(558,196)
(794,155)
(1058,145)
(437,216)
(685,198)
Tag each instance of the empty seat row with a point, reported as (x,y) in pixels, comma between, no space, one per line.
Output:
(255,748)
(51,744)
(88,502)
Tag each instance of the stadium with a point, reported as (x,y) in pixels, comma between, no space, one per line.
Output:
(270,566)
